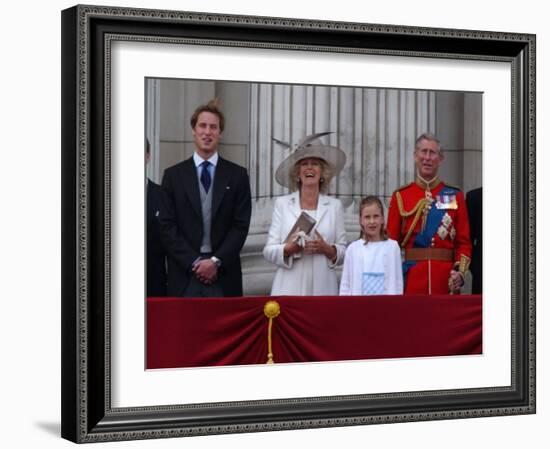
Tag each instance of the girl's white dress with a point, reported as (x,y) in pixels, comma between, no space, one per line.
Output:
(372,269)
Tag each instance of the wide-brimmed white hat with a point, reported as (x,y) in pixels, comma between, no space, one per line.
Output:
(310,146)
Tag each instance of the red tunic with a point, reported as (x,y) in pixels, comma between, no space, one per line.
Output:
(453,233)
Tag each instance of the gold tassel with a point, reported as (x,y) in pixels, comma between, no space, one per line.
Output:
(271,310)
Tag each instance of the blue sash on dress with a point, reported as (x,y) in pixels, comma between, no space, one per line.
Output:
(373,283)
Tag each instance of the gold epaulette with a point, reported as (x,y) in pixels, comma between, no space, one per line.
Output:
(404,186)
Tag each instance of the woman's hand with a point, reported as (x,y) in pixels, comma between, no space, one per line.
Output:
(292,246)
(320,246)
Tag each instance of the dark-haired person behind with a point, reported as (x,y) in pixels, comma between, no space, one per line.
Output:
(474,205)
(205,215)
(156,255)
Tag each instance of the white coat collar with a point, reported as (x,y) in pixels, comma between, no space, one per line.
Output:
(322,205)
(294,203)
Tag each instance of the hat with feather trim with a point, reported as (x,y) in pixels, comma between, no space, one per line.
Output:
(310,147)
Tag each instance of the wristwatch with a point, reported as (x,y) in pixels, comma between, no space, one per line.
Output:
(217,261)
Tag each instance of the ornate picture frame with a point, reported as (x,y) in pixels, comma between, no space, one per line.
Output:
(88,33)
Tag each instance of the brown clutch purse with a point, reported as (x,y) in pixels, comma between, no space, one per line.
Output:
(305,222)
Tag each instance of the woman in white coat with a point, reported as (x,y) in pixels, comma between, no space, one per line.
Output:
(306,263)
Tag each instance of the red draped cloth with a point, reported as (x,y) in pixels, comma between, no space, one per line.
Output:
(191,332)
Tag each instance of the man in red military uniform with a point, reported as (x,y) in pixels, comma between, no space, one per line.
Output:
(430,221)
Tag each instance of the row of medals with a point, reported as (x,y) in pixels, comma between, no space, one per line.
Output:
(446,227)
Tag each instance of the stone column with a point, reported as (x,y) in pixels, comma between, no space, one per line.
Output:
(472,141)
(152,111)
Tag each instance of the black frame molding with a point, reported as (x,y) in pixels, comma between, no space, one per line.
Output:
(87,32)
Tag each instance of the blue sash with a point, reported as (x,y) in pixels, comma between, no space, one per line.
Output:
(424,238)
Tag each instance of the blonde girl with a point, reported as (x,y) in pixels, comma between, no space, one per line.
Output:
(372,264)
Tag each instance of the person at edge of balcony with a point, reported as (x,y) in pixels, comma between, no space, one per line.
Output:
(429,219)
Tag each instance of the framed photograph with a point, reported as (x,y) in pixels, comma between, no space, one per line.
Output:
(258,118)
(120,67)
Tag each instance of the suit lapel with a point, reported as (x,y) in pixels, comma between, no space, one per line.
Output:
(221,184)
(150,206)
(191,183)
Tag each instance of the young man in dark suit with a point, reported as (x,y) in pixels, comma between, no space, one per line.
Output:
(205,215)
